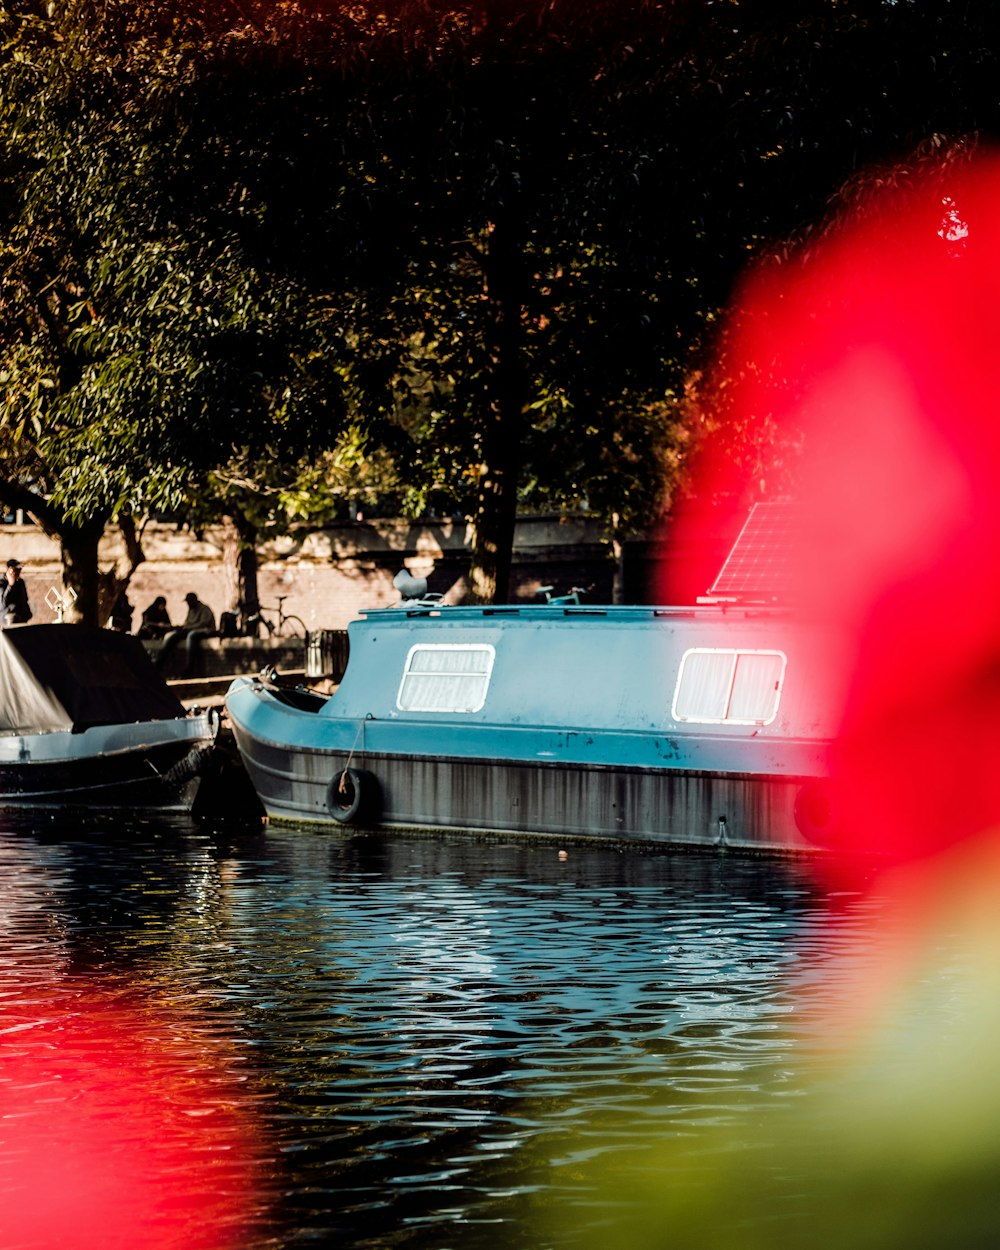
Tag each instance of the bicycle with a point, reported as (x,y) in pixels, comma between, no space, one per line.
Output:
(571,597)
(287,625)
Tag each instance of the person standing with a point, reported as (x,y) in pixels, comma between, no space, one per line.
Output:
(14,606)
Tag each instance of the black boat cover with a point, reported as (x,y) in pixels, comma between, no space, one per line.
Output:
(76,676)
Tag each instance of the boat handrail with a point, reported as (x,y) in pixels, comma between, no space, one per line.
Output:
(553,611)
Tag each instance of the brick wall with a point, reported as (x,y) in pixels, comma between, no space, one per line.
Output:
(329,575)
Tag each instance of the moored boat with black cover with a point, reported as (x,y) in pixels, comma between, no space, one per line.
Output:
(86,720)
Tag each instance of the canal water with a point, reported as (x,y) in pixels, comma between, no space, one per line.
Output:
(287,1038)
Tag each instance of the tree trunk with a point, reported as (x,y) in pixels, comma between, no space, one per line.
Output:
(114,581)
(495,513)
(495,517)
(78,546)
(618,559)
(239,557)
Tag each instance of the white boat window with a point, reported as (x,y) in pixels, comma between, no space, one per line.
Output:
(446,677)
(723,686)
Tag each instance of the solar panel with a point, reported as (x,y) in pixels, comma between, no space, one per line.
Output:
(759,566)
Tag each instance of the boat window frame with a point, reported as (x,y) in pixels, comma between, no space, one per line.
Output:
(486,677)
(735,653)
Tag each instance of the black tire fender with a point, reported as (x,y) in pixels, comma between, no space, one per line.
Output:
(353,797)
(816,813)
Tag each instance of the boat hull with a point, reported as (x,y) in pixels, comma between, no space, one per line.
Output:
(146,766)
(672,806)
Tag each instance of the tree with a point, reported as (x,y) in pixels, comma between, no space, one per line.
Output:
(488,239)
(545,210)
(141,346)
(514,341)
(823,106)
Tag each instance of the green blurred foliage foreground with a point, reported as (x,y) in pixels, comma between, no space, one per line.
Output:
(894,1141)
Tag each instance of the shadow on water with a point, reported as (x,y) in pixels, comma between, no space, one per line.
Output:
(119,887)
(435,1037)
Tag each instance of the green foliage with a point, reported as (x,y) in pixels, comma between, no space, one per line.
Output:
(148,347)
(884,1136)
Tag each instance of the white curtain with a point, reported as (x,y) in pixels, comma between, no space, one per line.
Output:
(718,686)
(703,693)
(446,679)
(755,690)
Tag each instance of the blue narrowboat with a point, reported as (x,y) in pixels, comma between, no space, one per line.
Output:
(690,726)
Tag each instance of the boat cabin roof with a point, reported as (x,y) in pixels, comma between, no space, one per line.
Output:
(734,671)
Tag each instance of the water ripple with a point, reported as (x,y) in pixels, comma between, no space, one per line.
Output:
(428,1035)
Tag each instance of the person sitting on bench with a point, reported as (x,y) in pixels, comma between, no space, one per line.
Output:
(198,624)
(155,620)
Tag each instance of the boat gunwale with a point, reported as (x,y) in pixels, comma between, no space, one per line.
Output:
(416,722)
(365,758)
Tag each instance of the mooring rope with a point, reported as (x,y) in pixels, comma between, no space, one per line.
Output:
(342,788)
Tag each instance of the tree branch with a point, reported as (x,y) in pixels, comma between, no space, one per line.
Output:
(17,496)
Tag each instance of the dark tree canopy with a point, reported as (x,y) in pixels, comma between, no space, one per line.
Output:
(470,252)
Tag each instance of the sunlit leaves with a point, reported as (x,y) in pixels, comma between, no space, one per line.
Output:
(145,344)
